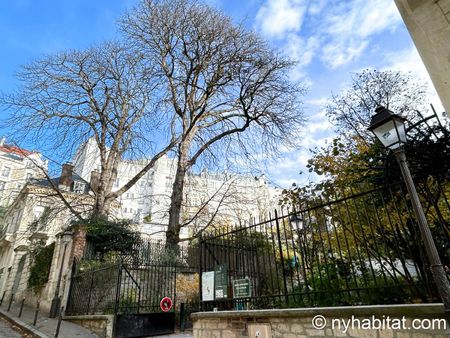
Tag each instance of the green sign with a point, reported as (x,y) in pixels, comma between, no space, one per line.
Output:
(242,288)
(221,282)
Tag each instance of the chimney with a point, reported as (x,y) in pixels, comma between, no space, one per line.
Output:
(65,181)
(95,180)
(2,141)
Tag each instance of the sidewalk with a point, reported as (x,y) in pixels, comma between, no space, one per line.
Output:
(45,326)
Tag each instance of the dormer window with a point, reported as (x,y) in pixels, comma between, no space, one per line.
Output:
(78,187)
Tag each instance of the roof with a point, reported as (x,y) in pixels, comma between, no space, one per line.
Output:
(10,149)
(75,178)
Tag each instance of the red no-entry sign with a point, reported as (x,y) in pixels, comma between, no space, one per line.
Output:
(166,304)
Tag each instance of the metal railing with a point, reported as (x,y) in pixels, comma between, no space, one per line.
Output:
(345,249)
(123,286)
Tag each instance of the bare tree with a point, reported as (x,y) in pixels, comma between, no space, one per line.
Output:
(105,93)
(223,86)
(352,109)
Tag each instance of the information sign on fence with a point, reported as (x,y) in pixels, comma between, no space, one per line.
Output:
(242,288)
(221,282)
(208,286)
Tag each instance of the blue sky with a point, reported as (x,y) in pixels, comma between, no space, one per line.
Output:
(330,39)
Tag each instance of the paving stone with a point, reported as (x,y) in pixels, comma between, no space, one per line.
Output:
(6,330)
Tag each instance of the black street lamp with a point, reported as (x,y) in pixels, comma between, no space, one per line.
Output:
(296,221)
(390,130)
(56,301)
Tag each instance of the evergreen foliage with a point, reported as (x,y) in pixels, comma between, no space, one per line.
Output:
(41,257)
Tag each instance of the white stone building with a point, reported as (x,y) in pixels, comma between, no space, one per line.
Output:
(17,166)
(37,217)
(231,198)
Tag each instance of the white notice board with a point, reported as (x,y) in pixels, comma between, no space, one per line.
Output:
(207,286)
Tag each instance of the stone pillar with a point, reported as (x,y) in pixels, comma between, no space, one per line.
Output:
(74,252)
(79,242)
(59,269)
(428,22)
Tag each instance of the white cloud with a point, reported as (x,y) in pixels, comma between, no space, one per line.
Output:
(318,102)
(338,32)
(301,50)
(351,25)
(316,6)
(408,60)
(340,52)
(361,18)
(278,17)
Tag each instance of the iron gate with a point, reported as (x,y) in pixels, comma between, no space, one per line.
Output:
(130,292)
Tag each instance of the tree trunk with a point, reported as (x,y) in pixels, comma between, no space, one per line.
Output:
(176,199)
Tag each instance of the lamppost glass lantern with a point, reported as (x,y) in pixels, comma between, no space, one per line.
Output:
(296,221)
(389,128)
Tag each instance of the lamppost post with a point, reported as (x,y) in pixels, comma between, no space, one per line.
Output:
(436,267)
(390,130)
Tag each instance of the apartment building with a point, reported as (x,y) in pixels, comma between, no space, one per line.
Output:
(17,166)
(209,198)
(37,217)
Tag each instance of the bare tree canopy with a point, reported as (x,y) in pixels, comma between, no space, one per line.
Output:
(400,92)
(223,86)
(103,92)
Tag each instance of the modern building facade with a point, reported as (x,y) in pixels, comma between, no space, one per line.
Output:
(209,198)
(428,22)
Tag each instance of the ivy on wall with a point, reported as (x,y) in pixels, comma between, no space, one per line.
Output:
(41,260)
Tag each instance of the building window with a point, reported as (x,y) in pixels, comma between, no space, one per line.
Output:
(6,171)
(2,186)
(78,187)
(29,177)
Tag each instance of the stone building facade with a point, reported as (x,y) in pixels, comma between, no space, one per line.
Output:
(38,217)
(17,167)
(428,22)
(218,197)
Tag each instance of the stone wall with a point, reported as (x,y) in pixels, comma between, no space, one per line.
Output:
(101,325)
(298,323)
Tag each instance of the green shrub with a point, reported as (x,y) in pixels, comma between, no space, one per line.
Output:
(41,260)
(111,236)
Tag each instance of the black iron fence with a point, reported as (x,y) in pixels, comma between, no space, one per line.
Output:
(124,284)
(94,291)
(348,249)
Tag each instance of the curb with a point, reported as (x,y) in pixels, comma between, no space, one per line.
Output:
(24,326)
